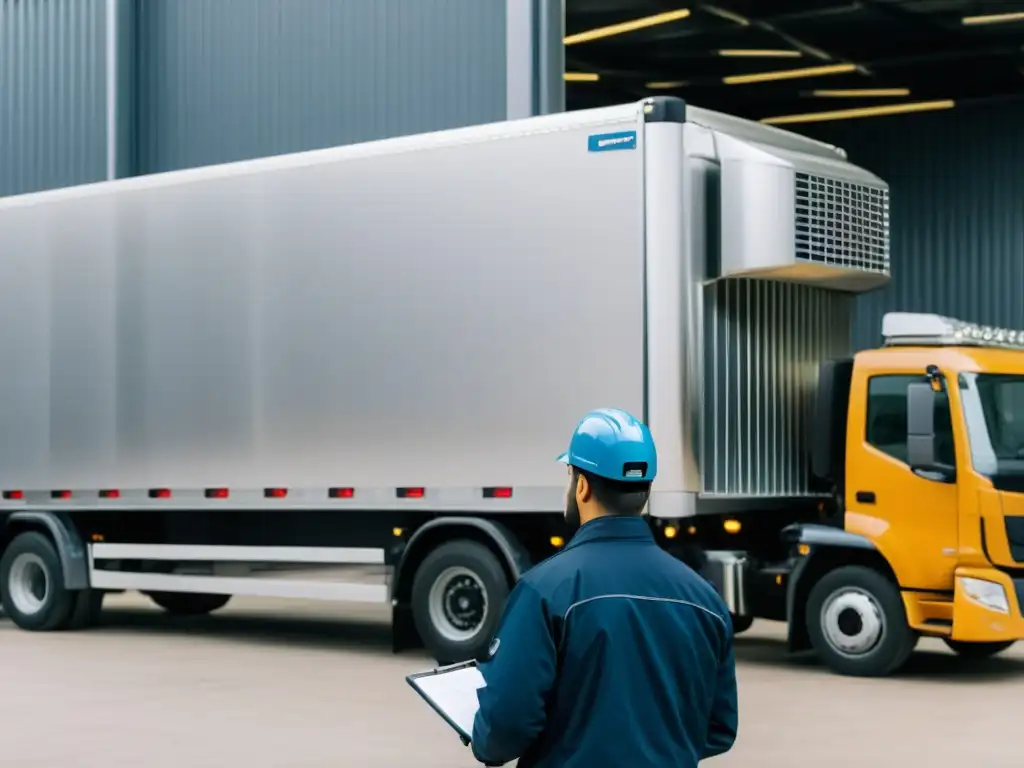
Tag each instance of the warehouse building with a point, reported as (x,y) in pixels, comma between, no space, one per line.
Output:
(926,94)
(96,89)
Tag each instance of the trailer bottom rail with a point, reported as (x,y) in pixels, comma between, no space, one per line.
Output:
(343,574)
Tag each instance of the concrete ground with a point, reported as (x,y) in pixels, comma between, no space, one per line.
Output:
(276,685)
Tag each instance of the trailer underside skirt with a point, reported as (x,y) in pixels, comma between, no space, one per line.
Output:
(314,573)
(336,555)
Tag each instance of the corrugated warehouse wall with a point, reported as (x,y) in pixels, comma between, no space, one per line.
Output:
(206,81)
(957,212)
(231,79)
(52,94)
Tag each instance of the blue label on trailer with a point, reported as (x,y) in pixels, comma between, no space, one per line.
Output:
(606,142)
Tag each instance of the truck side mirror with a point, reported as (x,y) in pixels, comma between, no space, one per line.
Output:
(921,427)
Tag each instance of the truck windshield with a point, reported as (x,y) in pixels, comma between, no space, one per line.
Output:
(994,411)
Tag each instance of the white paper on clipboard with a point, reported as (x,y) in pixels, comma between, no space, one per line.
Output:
(452,692)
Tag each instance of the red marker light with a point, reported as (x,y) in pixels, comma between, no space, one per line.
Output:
(275,493)
(216,493)
(160,493)
(341,493)
(60,494)
(497,493)
(411,493)
(14,495)
(110,493)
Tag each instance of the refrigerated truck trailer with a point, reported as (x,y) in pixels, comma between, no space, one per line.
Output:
(345,375)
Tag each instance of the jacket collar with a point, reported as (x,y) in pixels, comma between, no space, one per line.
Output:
(612,528)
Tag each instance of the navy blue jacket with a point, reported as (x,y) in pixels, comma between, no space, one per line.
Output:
(610,653)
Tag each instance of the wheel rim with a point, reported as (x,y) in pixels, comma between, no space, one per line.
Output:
(853,622)
(28,583)
(458,604)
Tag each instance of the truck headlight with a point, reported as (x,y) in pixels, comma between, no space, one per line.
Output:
(985,593)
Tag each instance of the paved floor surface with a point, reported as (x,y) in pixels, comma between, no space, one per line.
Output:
(278,685)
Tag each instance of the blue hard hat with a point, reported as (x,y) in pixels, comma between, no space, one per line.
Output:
(613,444)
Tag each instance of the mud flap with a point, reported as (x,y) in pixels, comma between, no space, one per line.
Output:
(404,636)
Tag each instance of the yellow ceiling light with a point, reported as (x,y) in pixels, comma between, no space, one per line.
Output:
(581,77)
(767,53)
(993,18)
(789,74)
(627,26)
(660,85)
(849,114)
(858,93)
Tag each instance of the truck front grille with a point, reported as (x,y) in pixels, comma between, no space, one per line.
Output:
(842,224)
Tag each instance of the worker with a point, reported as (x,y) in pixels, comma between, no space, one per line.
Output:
(611,652)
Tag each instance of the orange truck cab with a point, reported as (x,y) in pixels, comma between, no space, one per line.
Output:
(922,442)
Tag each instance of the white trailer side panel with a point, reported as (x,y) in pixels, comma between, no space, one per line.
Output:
(436,311)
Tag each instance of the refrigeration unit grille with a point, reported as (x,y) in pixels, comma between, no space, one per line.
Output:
(842,224)
(763,340)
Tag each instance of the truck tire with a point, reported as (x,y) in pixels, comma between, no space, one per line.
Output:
(977,650)
(188,603)
(32,584)
(857,623)
(458,594)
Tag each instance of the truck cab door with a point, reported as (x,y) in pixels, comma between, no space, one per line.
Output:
(912,517)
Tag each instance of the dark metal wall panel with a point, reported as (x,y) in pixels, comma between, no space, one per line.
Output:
(125,117)
(223,80)
(957,212)
(52,94)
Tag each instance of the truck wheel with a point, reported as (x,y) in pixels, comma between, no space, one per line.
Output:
(188,603)
(977,650)
(32,584)
(741,624)
(458,595)
(857,624)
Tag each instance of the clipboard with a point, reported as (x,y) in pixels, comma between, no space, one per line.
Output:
(451,691)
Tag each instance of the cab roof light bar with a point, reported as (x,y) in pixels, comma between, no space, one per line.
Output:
(919,330)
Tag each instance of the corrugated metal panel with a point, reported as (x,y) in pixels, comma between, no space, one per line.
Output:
(223,80)
(125,63)
(762,344)
(956,211)
(52,94)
